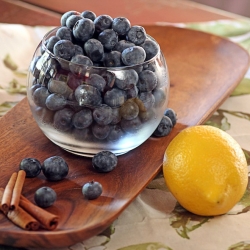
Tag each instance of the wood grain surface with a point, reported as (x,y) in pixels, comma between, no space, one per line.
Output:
(204,69)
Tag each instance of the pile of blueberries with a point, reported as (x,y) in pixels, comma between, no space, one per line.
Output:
(104,103)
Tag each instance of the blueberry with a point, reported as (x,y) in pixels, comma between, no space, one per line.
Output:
(55,102)
(122,45)
(59,87)
(164,128)
(94,49)
(40,95)
(63,119)
(129,110)
(132,91)
(137,35)
(160,97)
(51,42)
(64,33)
(171,114)
(31,166)
(84,134)
(64,49)
(71,21)
(102,22)
(97,81)
(109,78)
(73,81)
(100,131)
(151,48)
(88,95)
(83,29)
(112,59)
(83,118)
(121,25)
(45,197)
(147,80)
(89,14)
(82,60)
(115,97)
(115,134)
(147,115)
(104,161)
(66,15)
(133,55)
(131,126)
(147,99)
(92,190)
(103,114)
(55,168)
(116,116)
(78,50)
(126,79)
(108,38)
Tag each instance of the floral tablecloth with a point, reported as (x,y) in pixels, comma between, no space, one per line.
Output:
(154,220)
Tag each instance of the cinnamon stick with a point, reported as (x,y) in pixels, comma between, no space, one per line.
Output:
(48,220)
(17,190)
(20,217)
(7,194)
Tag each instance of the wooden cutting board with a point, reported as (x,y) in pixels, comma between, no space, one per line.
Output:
(204,69)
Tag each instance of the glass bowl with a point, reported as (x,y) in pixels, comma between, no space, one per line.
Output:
(88,109)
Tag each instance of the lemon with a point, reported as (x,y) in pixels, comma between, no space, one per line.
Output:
(206,170)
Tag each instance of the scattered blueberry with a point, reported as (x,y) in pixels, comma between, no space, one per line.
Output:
(92,190)
(104,161)
(164,128)
(45,197)
(55,168)
(171,114)
(31,166)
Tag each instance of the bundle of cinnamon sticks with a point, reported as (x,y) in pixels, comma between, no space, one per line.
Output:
(20,210)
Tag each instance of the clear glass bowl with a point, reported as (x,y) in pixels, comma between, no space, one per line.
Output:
(85,116)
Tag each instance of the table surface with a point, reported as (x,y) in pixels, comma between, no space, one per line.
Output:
(146,223)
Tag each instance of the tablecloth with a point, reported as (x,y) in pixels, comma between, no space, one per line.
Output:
(154,220)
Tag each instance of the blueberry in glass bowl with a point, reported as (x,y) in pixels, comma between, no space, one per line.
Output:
(98,84)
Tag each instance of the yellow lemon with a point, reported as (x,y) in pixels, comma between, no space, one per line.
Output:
(206,170)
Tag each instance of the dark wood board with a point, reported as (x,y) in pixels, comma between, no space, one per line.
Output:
(204,69)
